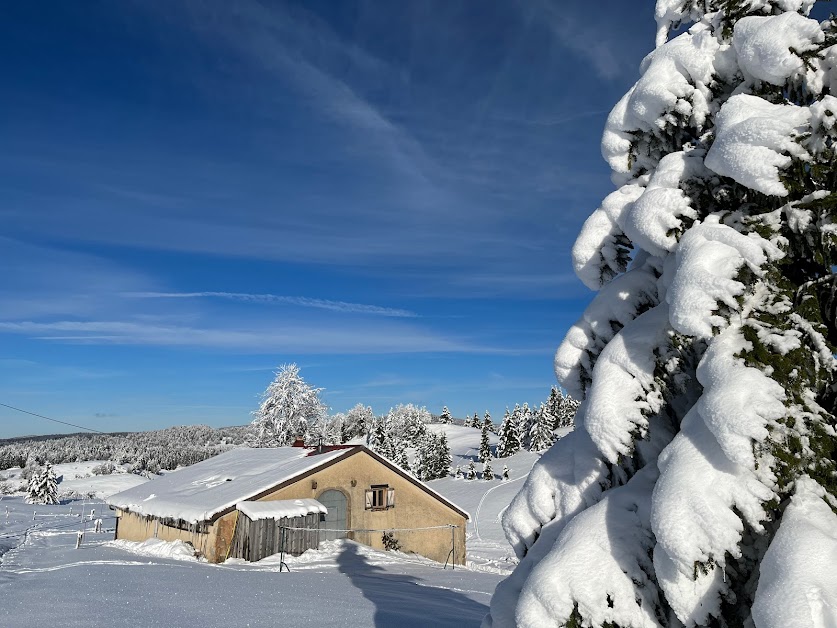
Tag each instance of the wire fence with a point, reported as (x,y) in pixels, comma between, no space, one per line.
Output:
(389,541)
(442,527)
(73,524)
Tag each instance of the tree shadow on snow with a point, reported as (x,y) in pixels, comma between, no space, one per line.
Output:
(406,601)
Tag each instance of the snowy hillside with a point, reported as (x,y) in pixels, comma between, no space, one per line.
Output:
(487,545)
(79,479)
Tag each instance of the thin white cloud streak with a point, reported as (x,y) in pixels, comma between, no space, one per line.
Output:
(582,38)
(297,339)
(323,304)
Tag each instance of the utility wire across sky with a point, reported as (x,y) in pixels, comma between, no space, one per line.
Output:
(41,416)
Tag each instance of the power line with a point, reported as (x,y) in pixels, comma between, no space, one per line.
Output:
(41,416)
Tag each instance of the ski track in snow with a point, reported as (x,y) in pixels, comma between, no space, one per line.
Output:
(482,500)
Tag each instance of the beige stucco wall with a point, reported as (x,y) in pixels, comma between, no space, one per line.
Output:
(414,508)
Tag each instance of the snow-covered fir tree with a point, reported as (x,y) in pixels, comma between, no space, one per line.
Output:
(525,418)
(486,420)
(445,417)
(540,434)
(509,436)
(505,472)
(380,439)
(487,471)
(471,471)
(485,447)
(562,408)
(700,480)
(442,458)
(553,403)
(423,461)
(288,409)
(401,458)
(43,486)
(432,459)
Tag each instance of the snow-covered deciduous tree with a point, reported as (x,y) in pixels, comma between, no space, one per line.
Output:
(288,408)
(327,429)
(408,423)
(357,423)
(43,486)
(700,481)
(445,417)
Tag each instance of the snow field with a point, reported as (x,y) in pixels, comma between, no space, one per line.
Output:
(117,583)
(120,583)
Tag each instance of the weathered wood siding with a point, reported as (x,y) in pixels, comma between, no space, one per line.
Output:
(254,540)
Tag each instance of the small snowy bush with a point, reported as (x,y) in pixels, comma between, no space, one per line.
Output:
(106,468)
(699,487)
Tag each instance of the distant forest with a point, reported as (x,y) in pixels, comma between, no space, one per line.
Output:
(143,451)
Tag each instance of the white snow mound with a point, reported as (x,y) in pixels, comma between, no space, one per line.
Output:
(754,140)
(708,258)
(762,44)
(798,582)
(175,550)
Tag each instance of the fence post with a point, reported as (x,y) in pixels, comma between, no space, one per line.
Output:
(282,551)
(453,547)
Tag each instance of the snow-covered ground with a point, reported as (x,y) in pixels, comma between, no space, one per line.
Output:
(154,583)
(45,581)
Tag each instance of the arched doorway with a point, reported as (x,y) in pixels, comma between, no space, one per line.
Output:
(335,519)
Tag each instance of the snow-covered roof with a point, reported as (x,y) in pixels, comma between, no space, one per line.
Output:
(206,489)
(203,490)
(276,509)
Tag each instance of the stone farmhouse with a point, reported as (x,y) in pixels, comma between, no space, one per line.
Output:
(242,503)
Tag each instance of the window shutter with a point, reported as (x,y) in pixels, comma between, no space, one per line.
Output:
(390,498)
(368,500)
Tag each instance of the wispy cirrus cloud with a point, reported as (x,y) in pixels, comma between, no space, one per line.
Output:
(323,304)
(295,338)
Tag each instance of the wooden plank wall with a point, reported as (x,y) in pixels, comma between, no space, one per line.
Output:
(254,540)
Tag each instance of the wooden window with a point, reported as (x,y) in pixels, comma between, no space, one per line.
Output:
(380,497)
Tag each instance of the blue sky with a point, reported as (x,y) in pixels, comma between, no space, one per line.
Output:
(193,193)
